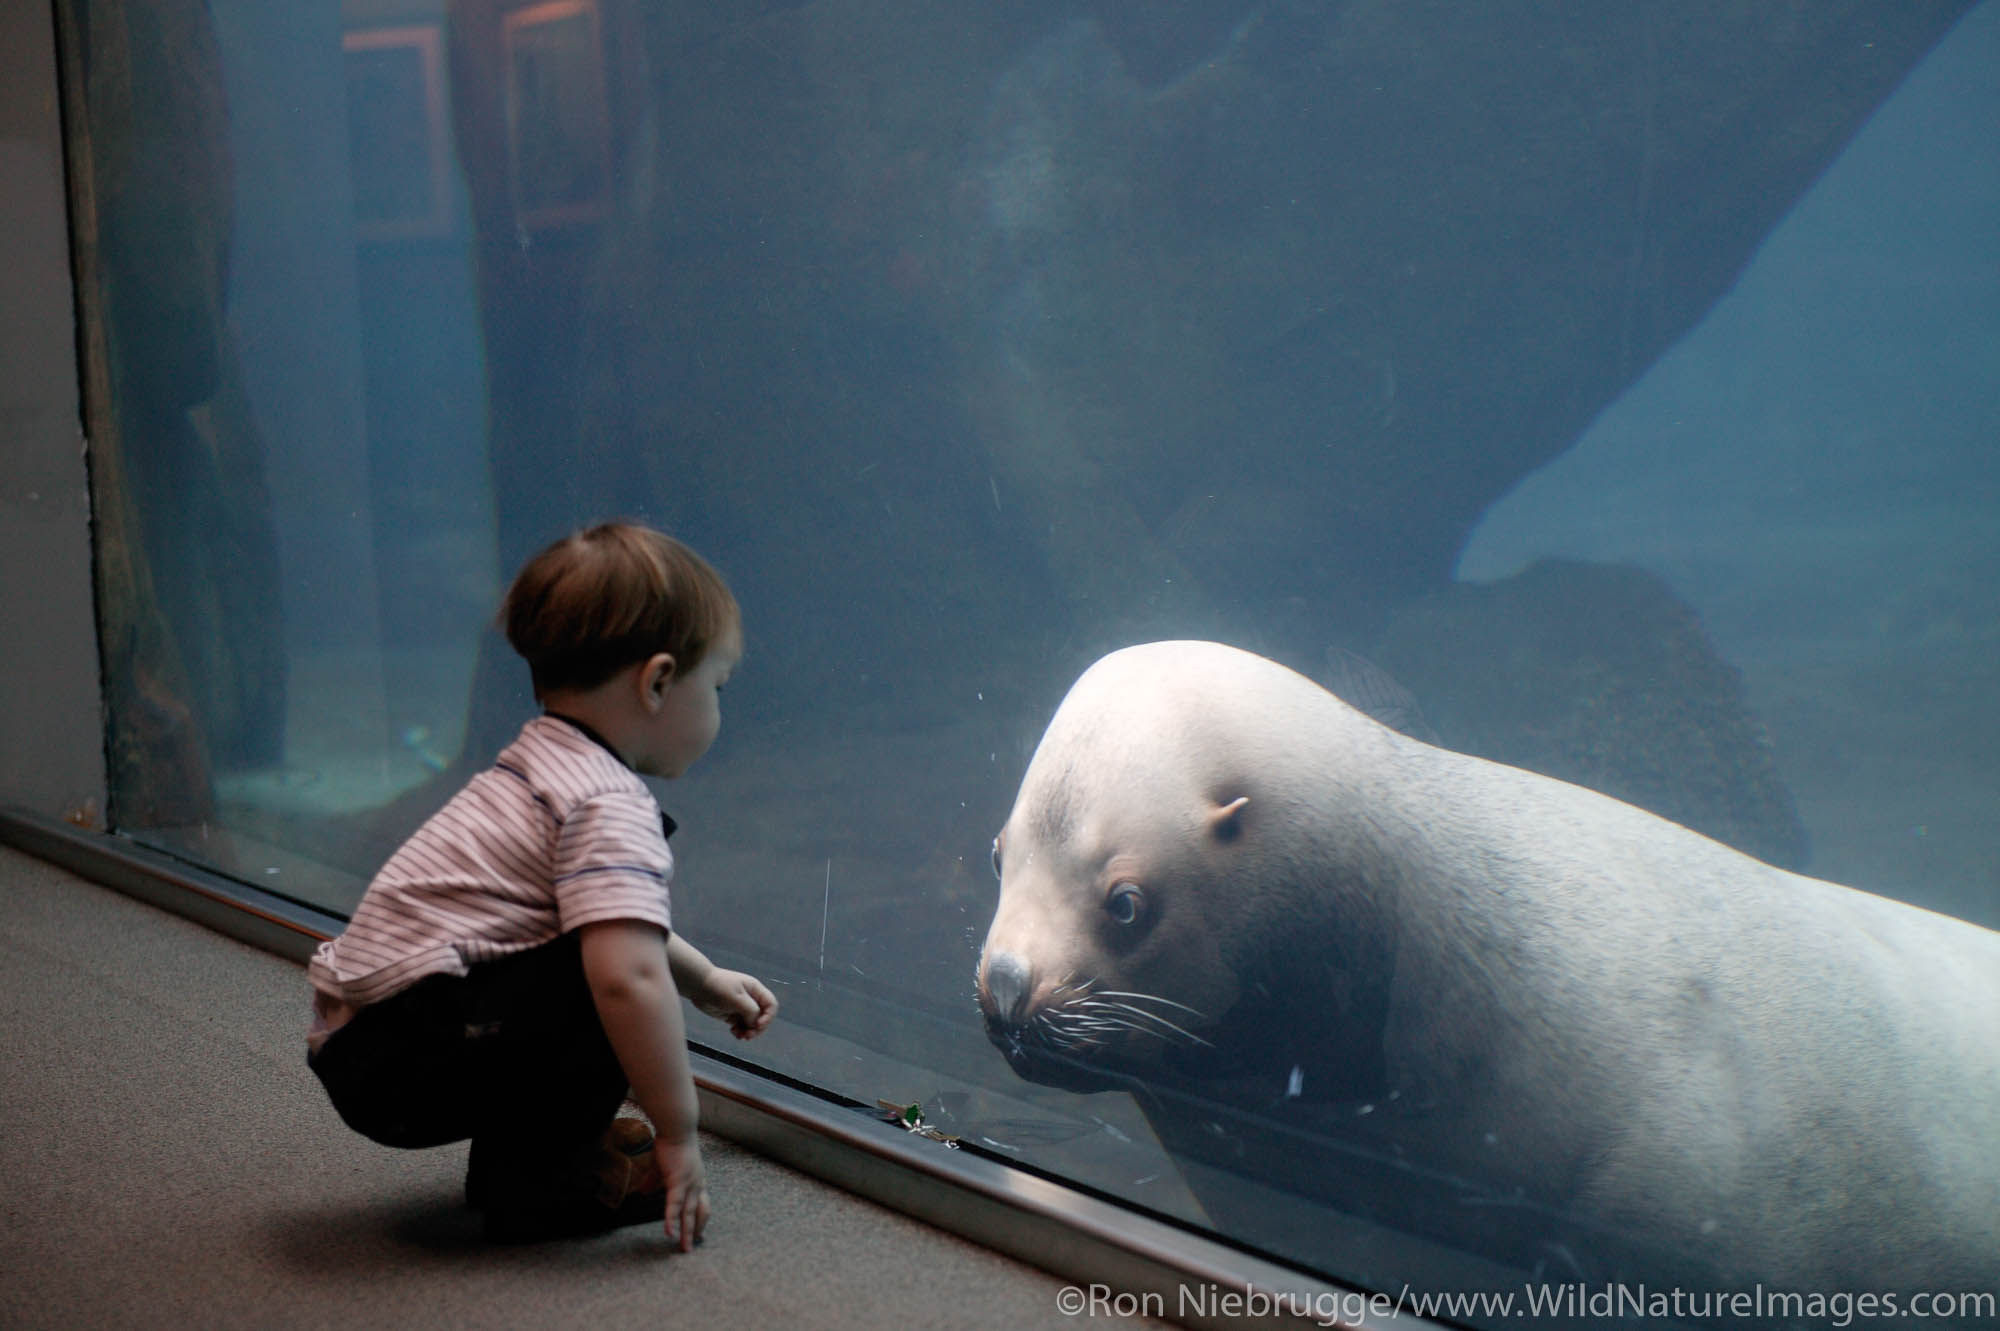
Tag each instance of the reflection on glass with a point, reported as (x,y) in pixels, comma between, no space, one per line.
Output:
(1579,391)
(396,131)
(557,124)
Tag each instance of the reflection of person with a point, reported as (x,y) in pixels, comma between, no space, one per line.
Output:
(512,970)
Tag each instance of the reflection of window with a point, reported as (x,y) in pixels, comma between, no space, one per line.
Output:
(558,142)
(396,132)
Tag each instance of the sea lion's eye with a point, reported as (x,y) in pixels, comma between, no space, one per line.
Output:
(996,857)
(1124,902)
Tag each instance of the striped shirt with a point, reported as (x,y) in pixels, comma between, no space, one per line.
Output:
(557,834)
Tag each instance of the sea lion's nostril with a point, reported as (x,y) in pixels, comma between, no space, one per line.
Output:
(1007,986)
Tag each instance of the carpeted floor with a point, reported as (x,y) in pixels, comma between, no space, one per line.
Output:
(166,1160)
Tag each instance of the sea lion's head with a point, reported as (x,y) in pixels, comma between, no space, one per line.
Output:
(1101,958)
(1154,879)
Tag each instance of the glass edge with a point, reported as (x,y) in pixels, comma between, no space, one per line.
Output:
(1160,1269)
(248,914)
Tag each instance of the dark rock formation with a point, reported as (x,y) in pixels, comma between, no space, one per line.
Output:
(1602,677)
(187,572)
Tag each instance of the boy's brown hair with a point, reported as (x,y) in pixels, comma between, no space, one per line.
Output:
(600,600)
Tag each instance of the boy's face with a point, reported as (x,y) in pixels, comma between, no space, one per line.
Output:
(690,710)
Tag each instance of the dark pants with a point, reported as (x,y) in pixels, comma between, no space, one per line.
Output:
(511,1055)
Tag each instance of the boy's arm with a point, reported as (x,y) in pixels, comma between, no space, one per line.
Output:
(691,969)
(730,996)
(632,983)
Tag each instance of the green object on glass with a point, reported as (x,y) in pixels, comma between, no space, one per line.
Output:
(911,1119)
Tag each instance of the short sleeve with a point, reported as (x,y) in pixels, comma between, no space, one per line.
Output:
(612,863)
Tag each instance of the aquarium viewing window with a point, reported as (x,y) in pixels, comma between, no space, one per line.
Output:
(1606,392)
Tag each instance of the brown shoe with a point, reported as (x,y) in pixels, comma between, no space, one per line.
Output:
(626,1168)
(619,1185)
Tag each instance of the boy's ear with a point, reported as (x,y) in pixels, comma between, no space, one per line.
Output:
(656,676)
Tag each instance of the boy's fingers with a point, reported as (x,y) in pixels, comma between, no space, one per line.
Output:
(687,1214)
(693,1212)
(759,1006)
(674,1192)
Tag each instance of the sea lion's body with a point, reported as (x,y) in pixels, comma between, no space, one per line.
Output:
(1496,975)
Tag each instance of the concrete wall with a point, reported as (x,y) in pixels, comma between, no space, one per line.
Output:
(51,732)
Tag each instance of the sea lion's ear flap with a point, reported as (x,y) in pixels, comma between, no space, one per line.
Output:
(1226,820)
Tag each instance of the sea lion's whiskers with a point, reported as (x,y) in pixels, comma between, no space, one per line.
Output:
(1081,989)
(1097,1004)
(1114,1024)
(1148,998)
(1080,1022)
(1183,1033)
(1069,1018)
(1124,1019)
(1080,1025)
(1065,1031)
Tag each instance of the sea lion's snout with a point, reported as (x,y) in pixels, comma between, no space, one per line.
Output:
(1005,983)
(1013,1020)
(1003,990)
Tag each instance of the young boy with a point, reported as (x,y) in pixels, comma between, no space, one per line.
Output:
(512,971)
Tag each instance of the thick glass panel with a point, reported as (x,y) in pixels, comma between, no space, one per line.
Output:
(1606,391)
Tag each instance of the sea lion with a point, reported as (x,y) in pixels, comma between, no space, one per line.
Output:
(1218,877)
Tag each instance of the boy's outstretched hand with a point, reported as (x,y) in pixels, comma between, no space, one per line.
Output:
(739,999)
(687,1190)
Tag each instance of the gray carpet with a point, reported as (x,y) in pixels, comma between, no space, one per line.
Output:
(166,1160)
